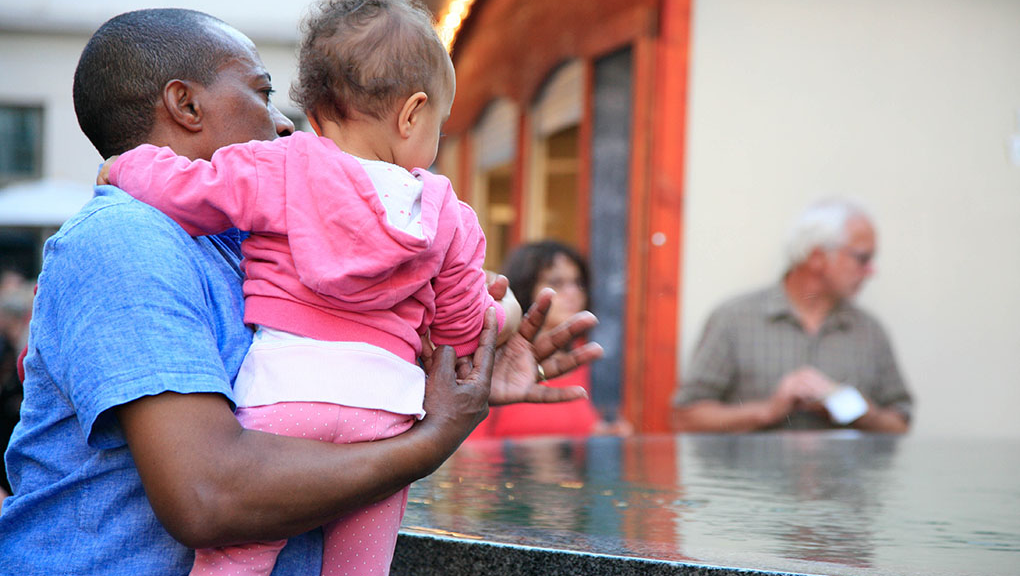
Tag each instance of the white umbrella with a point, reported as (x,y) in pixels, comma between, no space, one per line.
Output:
(42,203)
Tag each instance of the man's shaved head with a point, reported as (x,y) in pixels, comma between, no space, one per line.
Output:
(125,65)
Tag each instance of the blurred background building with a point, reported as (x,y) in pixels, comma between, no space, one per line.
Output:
(672,141)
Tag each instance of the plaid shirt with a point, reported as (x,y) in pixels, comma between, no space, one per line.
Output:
(751,342)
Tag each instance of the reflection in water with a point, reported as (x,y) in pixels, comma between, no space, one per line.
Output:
(833,503)
(817,496)
(582,494)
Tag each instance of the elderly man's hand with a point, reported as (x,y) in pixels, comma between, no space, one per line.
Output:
(803,389)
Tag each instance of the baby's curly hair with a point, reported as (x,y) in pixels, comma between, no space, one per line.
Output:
(359,57)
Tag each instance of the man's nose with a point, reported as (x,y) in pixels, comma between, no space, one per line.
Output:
(284,127)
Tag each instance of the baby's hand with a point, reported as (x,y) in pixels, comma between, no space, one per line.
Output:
(464,366)
(104,173)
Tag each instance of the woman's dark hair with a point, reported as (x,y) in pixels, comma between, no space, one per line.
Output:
(526,263)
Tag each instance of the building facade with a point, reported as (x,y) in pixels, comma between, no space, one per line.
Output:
(569,124)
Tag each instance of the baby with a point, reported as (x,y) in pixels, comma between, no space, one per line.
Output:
(357,255)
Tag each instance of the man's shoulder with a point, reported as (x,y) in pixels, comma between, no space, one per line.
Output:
(111,211)
(122,241)
(860,318)
(754,301)
(113,223)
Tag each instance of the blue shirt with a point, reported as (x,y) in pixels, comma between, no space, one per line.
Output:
(128,305)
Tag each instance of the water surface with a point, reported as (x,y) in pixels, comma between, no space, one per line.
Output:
(805,502)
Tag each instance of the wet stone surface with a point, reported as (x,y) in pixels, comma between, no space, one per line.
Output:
(838,503)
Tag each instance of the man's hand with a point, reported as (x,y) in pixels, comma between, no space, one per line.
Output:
(450,398)
(516,369)
(812,384)
(802,389)
(104,172)
(807,388)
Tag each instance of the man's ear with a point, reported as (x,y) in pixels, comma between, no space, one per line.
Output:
(410,113)
(181,103)
(817,259)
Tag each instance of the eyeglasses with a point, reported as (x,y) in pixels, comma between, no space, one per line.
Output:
(862,258)
(560,284)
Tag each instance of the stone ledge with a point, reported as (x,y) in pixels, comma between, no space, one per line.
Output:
(428,555)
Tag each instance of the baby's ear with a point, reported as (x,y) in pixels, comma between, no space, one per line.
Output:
(410,112)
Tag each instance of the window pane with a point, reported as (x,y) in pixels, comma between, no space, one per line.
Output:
(561,205)
(500,216)
(20,142)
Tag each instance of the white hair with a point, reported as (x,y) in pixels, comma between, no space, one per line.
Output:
(821,225)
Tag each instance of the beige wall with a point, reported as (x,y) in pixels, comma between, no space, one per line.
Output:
(907,105)
(38,72)
(40,44)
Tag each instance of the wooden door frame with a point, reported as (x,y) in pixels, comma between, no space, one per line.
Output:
(656,226)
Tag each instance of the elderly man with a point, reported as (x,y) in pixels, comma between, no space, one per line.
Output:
(800,354)
(128,452)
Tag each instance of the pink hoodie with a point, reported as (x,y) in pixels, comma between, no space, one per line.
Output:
(322,260)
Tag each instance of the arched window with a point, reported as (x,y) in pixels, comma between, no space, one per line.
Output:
(552,200)
(494,141)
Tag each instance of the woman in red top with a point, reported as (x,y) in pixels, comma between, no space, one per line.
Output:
(530,268)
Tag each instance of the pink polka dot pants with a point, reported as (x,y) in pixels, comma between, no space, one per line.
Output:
(360,544)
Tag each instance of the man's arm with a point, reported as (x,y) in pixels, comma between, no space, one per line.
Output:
(889,404)
(812,388)
(805,388)
(213,483)
(698,403)
(797,389)
(716,416)
(879,419)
